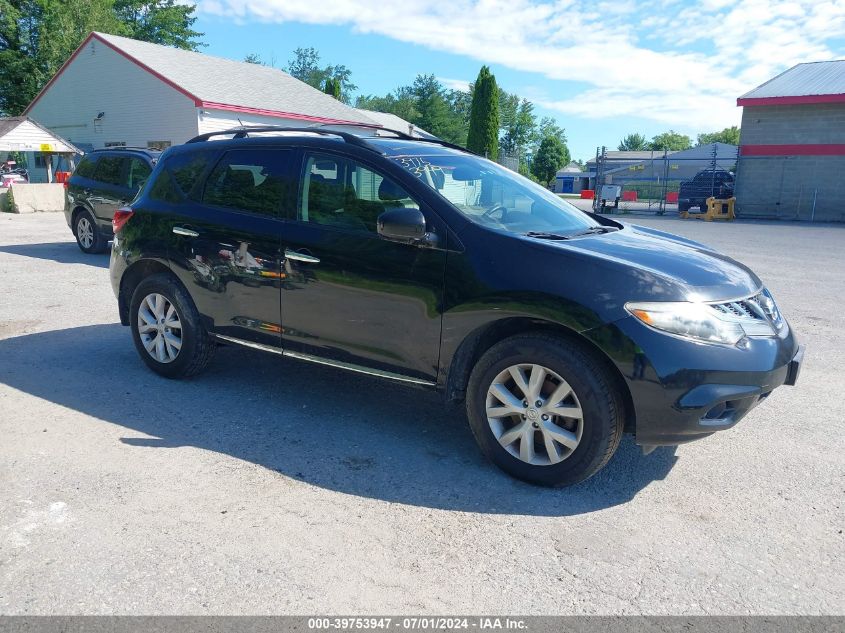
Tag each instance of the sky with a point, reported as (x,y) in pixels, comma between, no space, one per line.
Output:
(603,68)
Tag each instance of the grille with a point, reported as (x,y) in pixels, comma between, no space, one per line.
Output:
(758,314)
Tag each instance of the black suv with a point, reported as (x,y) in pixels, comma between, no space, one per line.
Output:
(415,261)
(708,183)
(104,181)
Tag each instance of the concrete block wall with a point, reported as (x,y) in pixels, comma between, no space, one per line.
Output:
(793,124)
(792,186)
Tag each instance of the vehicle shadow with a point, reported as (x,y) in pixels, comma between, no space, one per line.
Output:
(61,252)
(337,430)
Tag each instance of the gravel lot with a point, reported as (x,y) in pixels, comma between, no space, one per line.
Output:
(270,486)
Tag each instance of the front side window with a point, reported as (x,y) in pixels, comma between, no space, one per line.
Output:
(110,170)
(493,196)
(252,180)
(343,193)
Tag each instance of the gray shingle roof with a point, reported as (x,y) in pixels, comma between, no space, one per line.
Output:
(814,78)
(224,81)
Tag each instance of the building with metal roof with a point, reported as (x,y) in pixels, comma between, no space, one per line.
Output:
(792,145)
(116,91)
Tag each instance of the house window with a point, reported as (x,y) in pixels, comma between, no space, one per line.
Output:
(115,144)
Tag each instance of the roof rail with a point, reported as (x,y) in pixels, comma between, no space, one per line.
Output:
(136,148)
(245,131)
(402,135)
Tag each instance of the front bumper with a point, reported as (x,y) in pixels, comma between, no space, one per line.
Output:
(683,390)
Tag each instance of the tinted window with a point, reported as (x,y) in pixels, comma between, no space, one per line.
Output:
(344,193)
(86,167)
(110,170)
(249,180)
(139,171)
(179,175)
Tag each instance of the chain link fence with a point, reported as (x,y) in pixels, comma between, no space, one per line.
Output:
(662,181)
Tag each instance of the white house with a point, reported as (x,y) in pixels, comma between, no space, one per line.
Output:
(43,152)
(117,91)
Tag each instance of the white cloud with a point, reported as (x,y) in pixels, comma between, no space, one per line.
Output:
(677,63)
(454,84)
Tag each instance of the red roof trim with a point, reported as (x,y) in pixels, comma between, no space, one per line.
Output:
(793,100)
(276,113)
(817,149)
(79,49)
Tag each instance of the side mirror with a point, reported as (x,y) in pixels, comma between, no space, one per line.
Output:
(402,225)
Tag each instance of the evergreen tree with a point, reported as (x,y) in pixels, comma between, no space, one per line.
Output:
(552,155)
(633,143)
(483,135)
(332,87)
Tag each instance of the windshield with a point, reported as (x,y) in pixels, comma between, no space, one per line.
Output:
(496,197)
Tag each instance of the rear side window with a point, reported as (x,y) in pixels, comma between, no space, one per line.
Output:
(255,181)
(86,167)
(110,170)
(179,175)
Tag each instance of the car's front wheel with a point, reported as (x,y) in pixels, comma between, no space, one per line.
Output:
(87,234)
(544,410)
(167,330)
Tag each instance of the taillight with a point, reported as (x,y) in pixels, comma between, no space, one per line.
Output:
(121,217)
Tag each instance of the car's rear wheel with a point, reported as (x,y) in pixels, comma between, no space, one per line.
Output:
(87,234)
(544,410)
(167,329)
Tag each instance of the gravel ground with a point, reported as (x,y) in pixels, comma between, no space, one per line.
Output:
(268,486)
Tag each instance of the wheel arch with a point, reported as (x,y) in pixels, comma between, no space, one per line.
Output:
(133,276)
(485,336)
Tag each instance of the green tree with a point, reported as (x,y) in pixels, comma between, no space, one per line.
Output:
(633,143)
(253,58)
(729,135)
(483,134)
(332,87)
(38,36)
(166,22)
(671,141)
(306,66)
(519,131)
(435,115)
(551,156)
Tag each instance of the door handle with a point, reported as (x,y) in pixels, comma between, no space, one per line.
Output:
(179,230)
(301,257)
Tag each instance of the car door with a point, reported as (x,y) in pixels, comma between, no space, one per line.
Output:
(226,241)
(109,189)
(349,296)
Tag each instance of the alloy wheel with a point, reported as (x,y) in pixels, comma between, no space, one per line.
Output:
(85,232)
(160,328)
(534,414)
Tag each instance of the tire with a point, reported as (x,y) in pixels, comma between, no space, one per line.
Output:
(598,433)
(196,346)
(683,206)
(87,233)
(703,205)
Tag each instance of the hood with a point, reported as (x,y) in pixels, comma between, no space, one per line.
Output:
(659,266)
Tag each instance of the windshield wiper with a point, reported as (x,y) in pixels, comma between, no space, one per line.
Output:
(547,236)
(596,230)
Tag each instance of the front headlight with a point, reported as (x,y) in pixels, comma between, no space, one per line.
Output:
(697,321)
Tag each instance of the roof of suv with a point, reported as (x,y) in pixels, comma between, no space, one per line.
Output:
(152,153)
(396,145)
